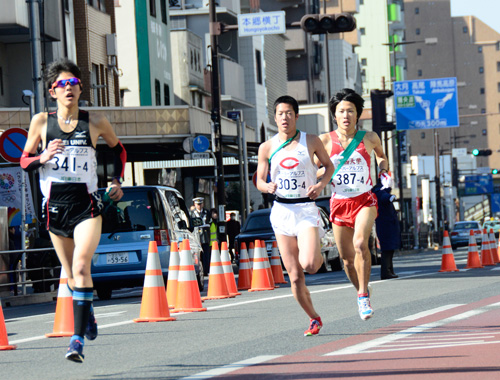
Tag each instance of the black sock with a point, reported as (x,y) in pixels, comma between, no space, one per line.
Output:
(82,304)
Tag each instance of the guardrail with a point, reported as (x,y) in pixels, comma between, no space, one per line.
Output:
(38,268)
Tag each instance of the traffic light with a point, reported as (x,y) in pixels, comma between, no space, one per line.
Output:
(494,171)
(481,152)
(328,23)
(379,113)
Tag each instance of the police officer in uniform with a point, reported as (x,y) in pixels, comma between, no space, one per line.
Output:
(204,231)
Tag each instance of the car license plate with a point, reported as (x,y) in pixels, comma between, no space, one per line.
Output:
(116,258)
(269,246)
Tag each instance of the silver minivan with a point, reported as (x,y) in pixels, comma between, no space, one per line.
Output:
(143,214)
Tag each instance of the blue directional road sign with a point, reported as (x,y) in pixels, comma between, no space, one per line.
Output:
(478,184)
(200,143)
(426,103)
(495,203)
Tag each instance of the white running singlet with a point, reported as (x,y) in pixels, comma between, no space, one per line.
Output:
(292,170)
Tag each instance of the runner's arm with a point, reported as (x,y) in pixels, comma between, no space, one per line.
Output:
(319,150)
(30,160)
(325,140)
(263,169)
(105,130)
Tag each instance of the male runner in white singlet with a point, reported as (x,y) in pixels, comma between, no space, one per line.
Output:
(353,207)
(68,180)
(289,156)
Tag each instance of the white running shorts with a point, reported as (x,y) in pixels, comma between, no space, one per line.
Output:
(289,218)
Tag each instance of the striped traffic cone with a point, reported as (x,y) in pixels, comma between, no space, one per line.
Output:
(276,268)
(4,338)
(268,264)
(473,260)
(244,272)
(188,294)
(227,266)
(173,274)
(447,260)
(486,256)
(217,287)
(493,247)
(251,249)
(64,323)
(154,305)
(260,276)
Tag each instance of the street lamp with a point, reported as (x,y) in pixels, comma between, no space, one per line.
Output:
(393,45)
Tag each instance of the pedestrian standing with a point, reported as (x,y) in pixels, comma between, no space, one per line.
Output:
(295,218)
(199,211)
(68,181)
(388,231)
(233,228)
(353,207)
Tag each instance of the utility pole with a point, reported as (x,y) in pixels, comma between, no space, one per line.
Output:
(34,13)
(215,30)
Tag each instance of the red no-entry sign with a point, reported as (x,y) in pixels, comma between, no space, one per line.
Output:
(12,143)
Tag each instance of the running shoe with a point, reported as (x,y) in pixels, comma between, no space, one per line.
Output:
(364,308)
(75,351)
(314,326)
(91,330)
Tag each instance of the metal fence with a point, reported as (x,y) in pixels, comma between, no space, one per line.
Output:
(36,268)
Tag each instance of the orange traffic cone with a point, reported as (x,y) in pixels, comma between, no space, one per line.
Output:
(251,248)
(493,247)
(244,272)
(188,293)
(473,260)
(276,265)
(64,324)
(268,264)
(217,287)
(260,277)
(173,274)
(486,256)
(227,266)
(4,339)
(447,260)
(154,305)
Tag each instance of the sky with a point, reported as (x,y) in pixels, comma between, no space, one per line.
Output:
(488,11)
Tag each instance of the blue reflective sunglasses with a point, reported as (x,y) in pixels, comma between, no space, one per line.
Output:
(63,82)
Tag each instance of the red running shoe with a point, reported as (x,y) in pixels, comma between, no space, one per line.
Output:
(314,326)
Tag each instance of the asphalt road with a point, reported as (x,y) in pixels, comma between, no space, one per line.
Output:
(237,336)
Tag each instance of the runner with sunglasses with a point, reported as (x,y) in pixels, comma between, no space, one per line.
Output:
(71,206)
(295,218)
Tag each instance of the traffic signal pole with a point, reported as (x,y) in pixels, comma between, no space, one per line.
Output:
(437,181)
(214,29)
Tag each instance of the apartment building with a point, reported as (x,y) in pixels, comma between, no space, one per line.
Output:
(469,50)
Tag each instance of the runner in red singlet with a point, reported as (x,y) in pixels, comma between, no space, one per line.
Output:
(353,207)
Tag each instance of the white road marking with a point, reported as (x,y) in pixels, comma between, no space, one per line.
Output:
(231,367)
(428,312)
(376,345)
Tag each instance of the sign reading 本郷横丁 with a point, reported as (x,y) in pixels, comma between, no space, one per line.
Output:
(426,103)
(255,24)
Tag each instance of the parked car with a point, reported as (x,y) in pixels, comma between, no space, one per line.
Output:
(460,234)
(258,226)
(143,214)
(494,225)
(324,203)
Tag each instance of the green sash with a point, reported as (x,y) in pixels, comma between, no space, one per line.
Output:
(283,145)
